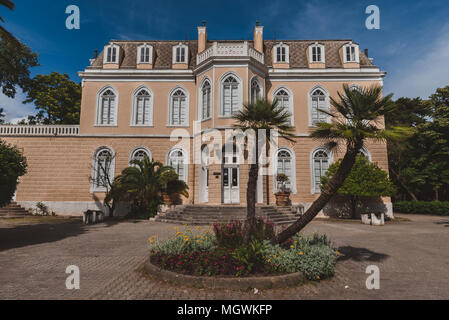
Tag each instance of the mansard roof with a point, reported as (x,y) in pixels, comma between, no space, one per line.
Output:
(163,52)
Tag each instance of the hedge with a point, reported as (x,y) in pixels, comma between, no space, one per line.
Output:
(440,208)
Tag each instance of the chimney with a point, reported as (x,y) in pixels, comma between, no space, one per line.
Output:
(366,53)
(258,37)
(95,54)
(202,37)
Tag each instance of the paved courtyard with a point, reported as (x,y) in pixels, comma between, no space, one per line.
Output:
(413,257)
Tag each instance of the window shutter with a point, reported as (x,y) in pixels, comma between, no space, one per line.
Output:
(111,111)
(183,112)
(227,100)
(234,98)
(175,111)
(146,111)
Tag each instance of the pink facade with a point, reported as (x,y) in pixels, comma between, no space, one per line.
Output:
(138,94)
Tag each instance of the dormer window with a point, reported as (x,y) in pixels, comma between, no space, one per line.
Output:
(281,53)
(351,53)
(144,54)
(111,53)
(316,53)
(180,53)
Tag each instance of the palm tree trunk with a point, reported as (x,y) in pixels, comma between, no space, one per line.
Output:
(251,196)
(331,188)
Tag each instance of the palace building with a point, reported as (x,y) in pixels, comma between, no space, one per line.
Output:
(137,95)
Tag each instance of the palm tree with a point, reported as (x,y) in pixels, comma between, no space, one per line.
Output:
(10,5)
(266,115)
(357,119)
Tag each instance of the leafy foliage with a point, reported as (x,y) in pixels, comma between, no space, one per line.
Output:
(2,116)
(15,61)
(440,208)
(365,180)
(56,97)
(418,164)
(12,166)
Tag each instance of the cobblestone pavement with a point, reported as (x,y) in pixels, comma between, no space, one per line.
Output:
(413,257)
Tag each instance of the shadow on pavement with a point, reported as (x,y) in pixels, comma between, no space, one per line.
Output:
(23,235)
(359,254)
(443,222)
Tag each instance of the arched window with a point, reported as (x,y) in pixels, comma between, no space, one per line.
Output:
(139,154)
(205,100)
(231,102)
(178,108)
(320,164)
(318,101)
(107,108)
(143,108)
(103,169)
(178,161)
(284,165)
(256,91)
(284,99)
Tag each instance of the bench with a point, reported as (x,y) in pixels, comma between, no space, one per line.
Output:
(93,216)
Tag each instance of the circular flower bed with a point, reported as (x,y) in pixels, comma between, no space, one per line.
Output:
(219,252)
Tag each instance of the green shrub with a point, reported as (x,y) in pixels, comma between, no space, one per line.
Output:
(183,243)
(312,255)
(250,256)
(440,208)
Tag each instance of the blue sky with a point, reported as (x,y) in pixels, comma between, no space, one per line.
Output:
(412,44)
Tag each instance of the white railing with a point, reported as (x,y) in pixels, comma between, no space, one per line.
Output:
(238,49)
(39,130)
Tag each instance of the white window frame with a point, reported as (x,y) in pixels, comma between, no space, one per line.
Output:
(93,186)
(356,53)
(323,54)
(139,148)
(186,161)
(200,99)
(326,101)
(105,53)
(99,104)
(287,54)
(290,101)
(255,79)
(139,54)
(186,53)
(133,121)
(239,93)
(312,166)
(293,173)
(169,111)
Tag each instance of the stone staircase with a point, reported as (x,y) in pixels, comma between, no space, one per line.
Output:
(13,210)
(207,215)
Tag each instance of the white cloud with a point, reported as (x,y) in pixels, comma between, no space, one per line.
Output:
(14,108)
(421,77)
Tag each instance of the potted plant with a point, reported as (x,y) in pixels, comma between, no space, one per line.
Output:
(283,194)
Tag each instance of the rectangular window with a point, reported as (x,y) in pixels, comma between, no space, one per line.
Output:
(107,110)
(143,111)
(281,54)
(145,55)
(179,115)
(180,55)
(316,54)
(350,54)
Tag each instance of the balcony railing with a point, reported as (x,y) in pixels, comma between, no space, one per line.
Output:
(39,130)
(238,49)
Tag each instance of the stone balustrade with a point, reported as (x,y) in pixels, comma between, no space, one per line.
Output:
(39,130)
(238,49)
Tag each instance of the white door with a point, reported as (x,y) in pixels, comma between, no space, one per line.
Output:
(231,189)
(204,184)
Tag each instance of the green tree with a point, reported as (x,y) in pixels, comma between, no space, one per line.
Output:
(418,164)
(358,117)
(12,166)
(10,5)
(56,97)
(143,183)
(267,116)
(2,116)
(365,180)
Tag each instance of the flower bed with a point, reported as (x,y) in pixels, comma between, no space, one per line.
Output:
(203,252)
